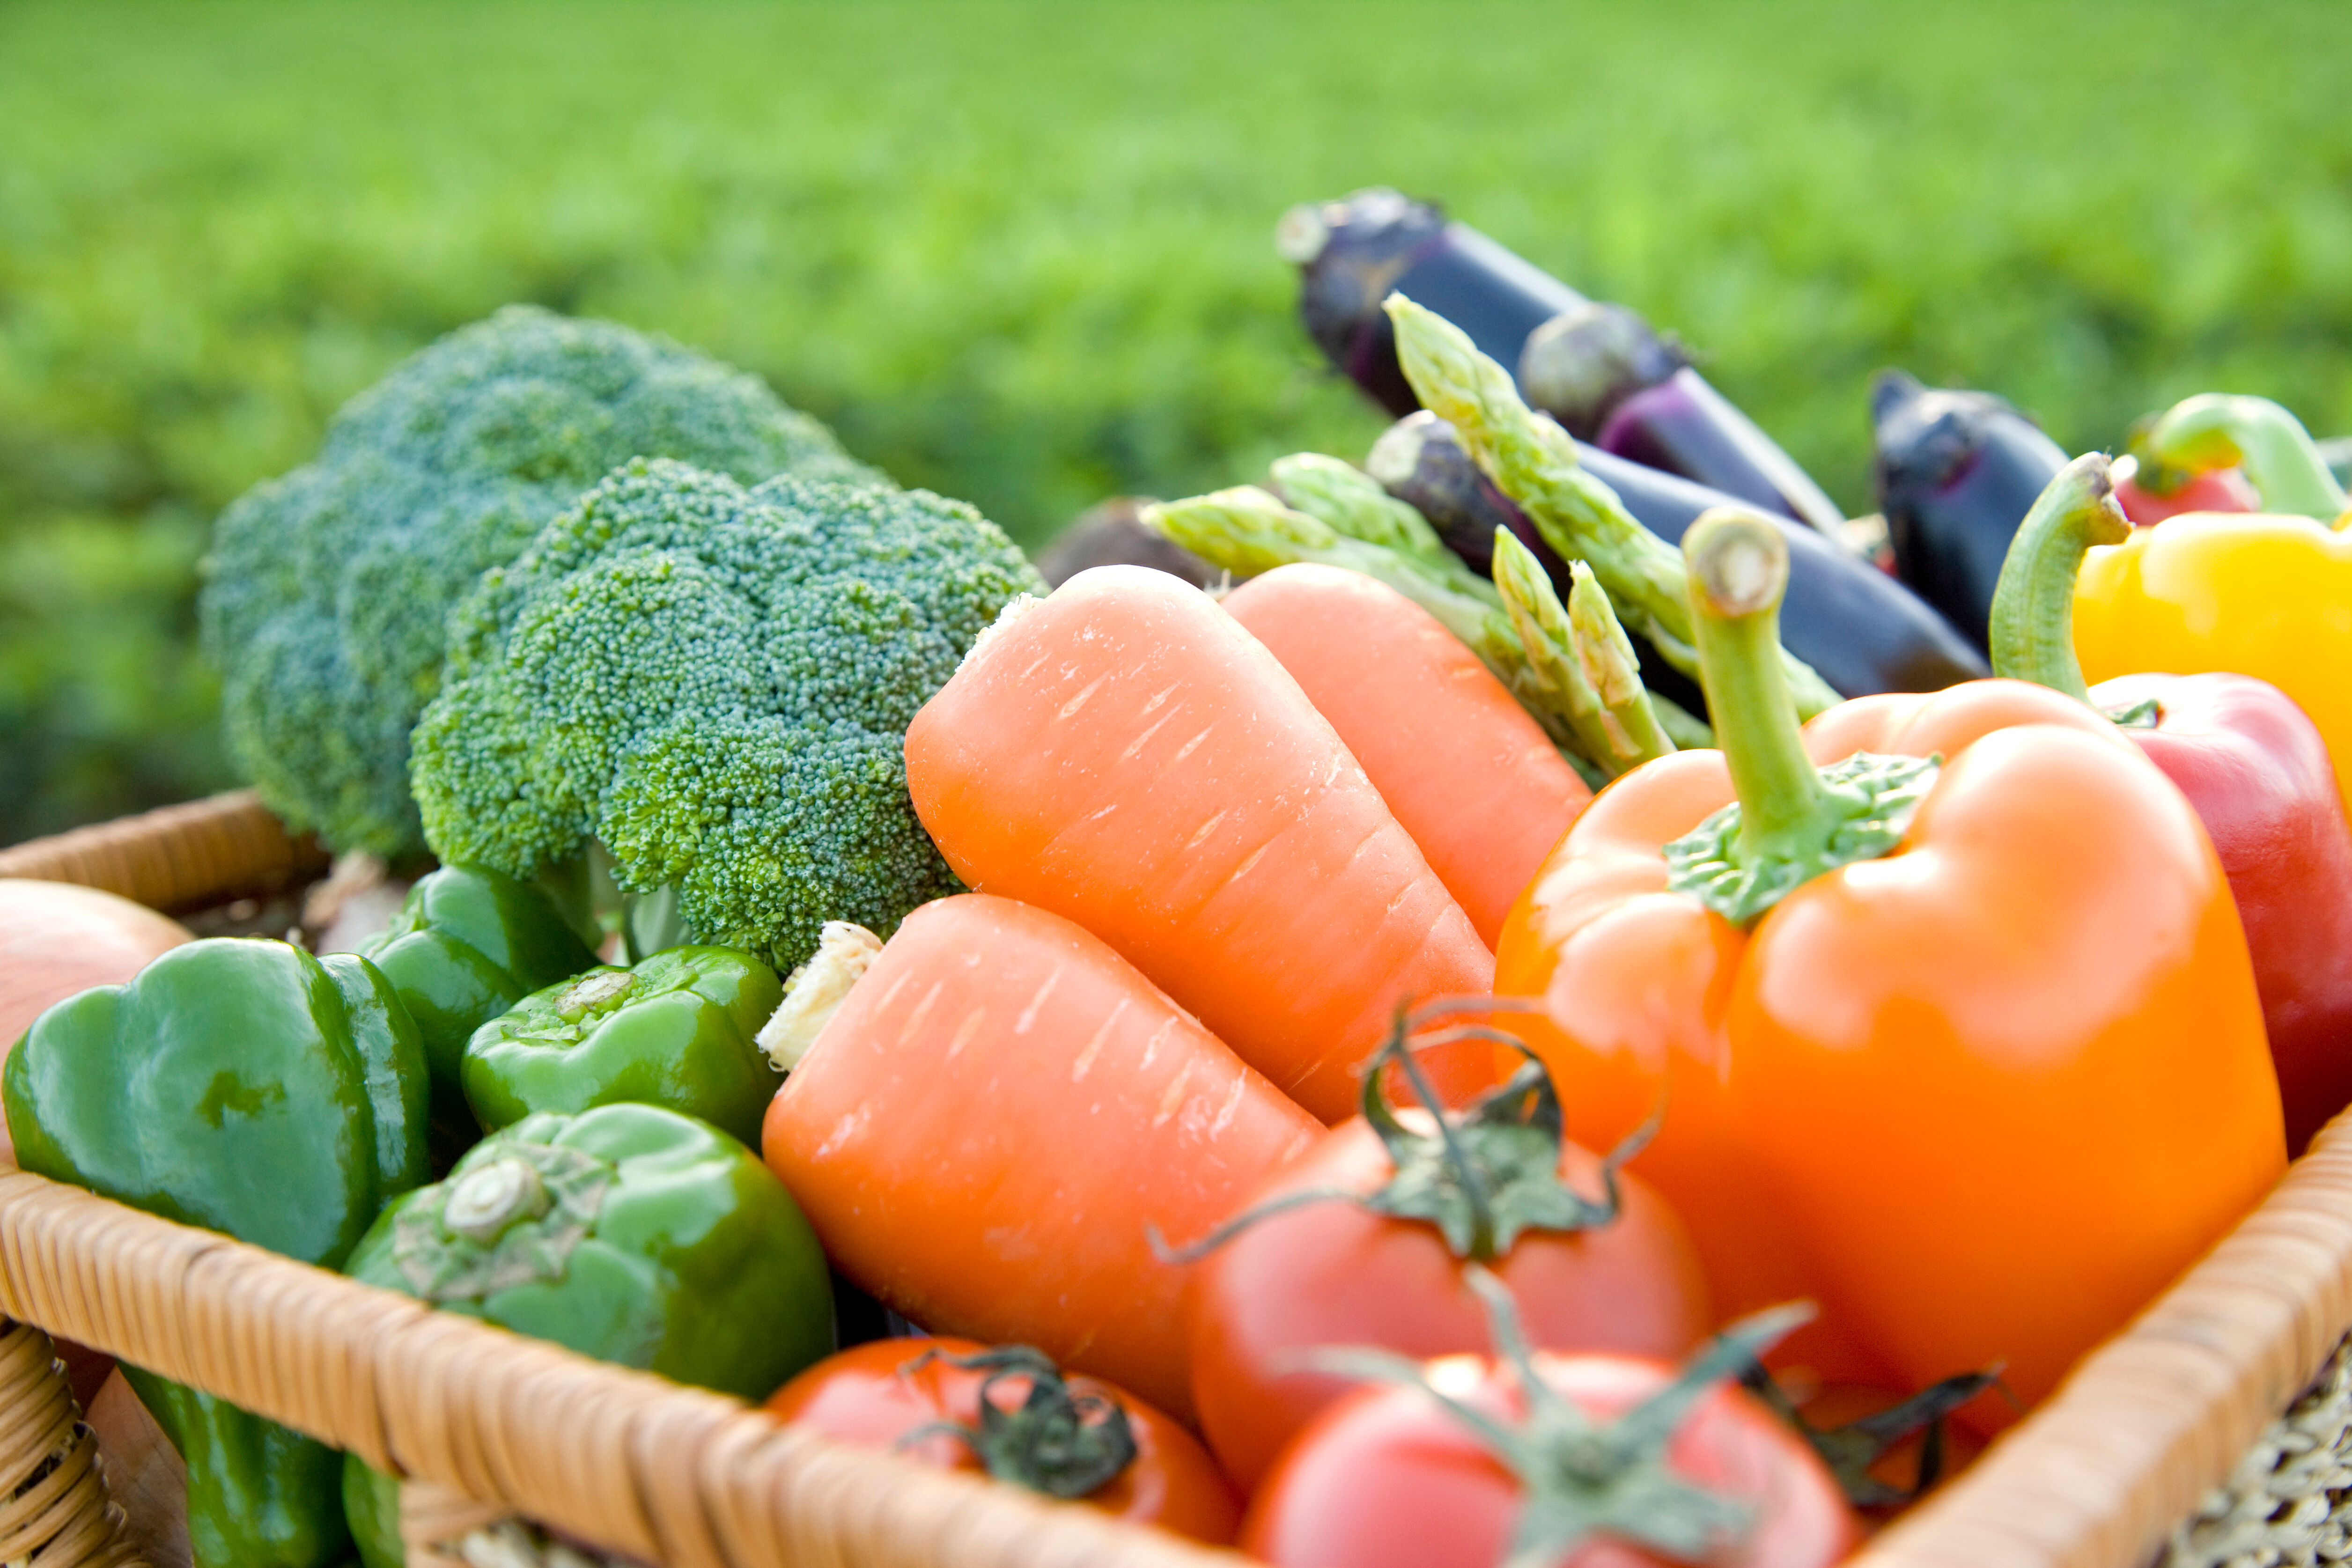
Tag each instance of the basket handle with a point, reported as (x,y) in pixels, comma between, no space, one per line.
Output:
(174,856)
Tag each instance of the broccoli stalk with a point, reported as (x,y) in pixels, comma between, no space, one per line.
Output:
(587,892)
(711,687)
(327,589)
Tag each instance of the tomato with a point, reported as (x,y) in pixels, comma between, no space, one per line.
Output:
(879,1392)
(1388,1478)
(1334,1273)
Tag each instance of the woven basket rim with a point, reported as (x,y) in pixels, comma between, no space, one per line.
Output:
(2097,1477)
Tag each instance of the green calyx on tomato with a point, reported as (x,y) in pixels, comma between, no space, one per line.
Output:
(1792,821)
(1583,1478)
(1482,1176)
(1850,1450)
(1058,1441)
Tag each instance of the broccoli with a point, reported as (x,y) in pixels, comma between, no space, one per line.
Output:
(712,685)
(326,589)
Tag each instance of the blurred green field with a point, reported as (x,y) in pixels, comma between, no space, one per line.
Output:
(1020,251)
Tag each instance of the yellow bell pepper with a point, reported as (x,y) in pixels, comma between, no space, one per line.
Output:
(2264,595)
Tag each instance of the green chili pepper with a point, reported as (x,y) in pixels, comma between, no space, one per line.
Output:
(250,1088)
(468,945)
(675,1030)
(629,1233)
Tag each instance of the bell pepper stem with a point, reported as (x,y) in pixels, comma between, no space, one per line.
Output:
(1738,571)
(1792,821)
(2032,631)
(2215,430)
(491,1197)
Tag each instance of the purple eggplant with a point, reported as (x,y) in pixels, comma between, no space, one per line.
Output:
(1421,462)
(1583,362)
(1352,253)
(1683,426)
(1862,630)
(1612,380)
(1111,533)
(1603,372)
(1957,473)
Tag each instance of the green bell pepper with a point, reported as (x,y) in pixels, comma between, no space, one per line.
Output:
(250,1088)
(371,1508)
(468,945)
(629,1233)
(257,1492)
(675,1030)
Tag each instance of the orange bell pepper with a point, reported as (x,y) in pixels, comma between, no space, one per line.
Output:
(1957,1036)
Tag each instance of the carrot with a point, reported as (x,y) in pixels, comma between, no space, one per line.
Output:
(1469,775)
(1126,755)
(984,1131)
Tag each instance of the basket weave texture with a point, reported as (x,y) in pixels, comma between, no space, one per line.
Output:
(175,858)
(2169,1444)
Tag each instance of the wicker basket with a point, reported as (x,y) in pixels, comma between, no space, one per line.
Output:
(2217,1429)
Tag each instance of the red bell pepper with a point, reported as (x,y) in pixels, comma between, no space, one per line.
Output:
(2251,762)
(2149,494)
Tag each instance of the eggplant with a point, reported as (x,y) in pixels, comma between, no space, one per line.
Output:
(1601,370)
(1859,628)
(1583,362)
(1683,426)
(1421,462)
(1350,253)
(1957,473)
(1111,533)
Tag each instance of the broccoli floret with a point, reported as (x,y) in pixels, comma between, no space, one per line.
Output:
(327,589)
(714,684)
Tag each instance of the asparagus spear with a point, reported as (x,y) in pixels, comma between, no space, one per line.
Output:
(1589,666)
(1636,724)
(1535,463)
(1247,530)
(1353,501)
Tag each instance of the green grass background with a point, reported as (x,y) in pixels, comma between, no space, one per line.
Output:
(1020,251)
